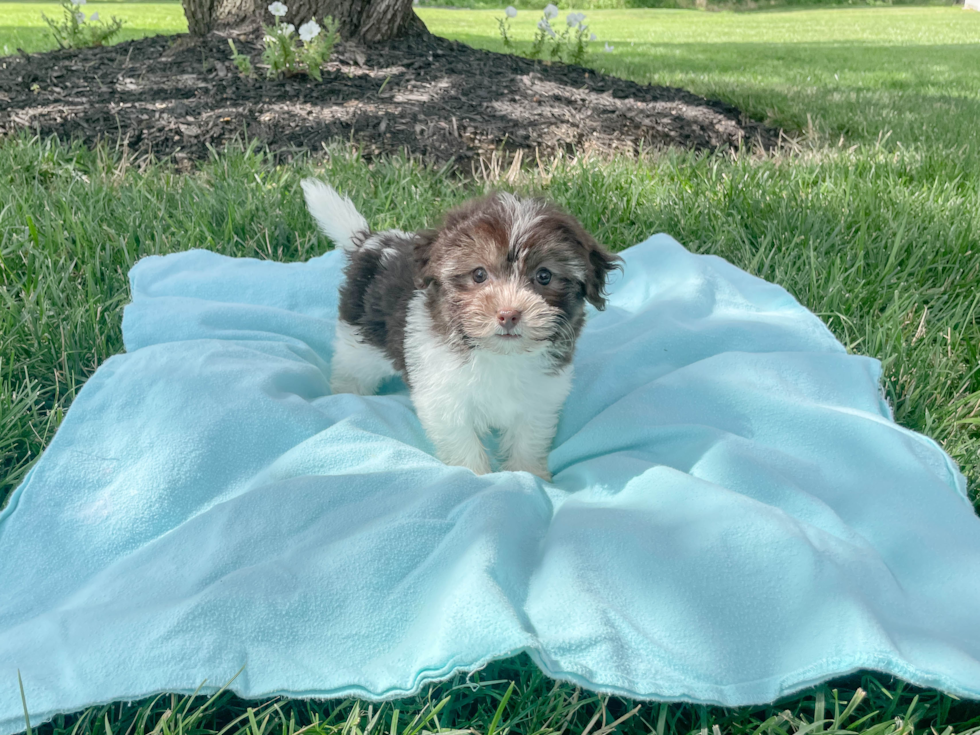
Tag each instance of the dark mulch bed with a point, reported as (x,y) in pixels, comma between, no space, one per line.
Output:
(435,98)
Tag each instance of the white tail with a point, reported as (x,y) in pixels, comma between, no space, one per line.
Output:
(336,216)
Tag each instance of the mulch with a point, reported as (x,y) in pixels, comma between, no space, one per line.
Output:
(437,99)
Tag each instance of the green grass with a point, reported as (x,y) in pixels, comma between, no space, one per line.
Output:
(21,24)
(860,72)
(872,220)
(708,5)
(513,697)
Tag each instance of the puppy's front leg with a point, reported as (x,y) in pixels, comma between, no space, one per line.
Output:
(456,442)
(525,444)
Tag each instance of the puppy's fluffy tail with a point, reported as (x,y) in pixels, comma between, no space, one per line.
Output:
(336,216)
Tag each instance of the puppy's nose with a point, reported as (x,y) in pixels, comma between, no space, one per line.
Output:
(508,318)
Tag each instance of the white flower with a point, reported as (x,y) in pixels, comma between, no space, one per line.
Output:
(550,11)
(288,29)
(277,9)
(94,16)
(592,37)
(78,2)
(608,48)
(269,40)
(544,25)
(80,17)
(511,11)
(574,19)
(309,30)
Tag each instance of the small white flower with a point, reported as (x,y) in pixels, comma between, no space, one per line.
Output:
(608,48)
(544,25)
(269,40)
(309,30)
(592,37)
(511,11)
(277,9)
(574,19)
(78,2)
(94,16)
(288,29)
(550,11)
(80,17)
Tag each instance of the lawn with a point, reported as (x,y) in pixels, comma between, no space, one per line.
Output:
(871,218)
(23,27)
(851,71)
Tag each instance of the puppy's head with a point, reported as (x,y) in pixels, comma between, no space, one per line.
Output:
(511,275)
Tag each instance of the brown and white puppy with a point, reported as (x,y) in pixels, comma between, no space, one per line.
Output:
(480,317)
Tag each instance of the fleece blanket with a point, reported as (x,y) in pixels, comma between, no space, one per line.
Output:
(734,515)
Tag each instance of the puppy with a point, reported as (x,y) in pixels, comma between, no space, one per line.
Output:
(480,317)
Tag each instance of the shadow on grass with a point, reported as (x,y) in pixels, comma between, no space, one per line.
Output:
(855,88)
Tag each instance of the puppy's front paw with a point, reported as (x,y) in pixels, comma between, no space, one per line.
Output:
(541,470)
(473,460)
(479,468)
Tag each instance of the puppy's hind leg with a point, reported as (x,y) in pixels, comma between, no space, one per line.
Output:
(357,367)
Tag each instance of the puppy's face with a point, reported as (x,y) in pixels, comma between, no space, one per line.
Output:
(511,275)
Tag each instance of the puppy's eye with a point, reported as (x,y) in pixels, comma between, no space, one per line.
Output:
(543,276)
(479,275)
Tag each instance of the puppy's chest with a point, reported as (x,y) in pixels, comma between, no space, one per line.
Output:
(497,390)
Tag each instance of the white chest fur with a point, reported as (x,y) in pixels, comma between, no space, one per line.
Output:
(459,397)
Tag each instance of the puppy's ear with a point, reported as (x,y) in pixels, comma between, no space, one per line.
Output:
(424,273)
(601,263)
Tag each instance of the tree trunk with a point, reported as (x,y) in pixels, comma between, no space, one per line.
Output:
(367,21)
(200,16)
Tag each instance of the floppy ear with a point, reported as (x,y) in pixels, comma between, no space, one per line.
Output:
(601,262)
(422,257)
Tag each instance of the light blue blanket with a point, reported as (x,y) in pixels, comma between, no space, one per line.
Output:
(734,514)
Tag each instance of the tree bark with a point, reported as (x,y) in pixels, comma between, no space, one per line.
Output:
(366,21)
(236,12)
(200,16)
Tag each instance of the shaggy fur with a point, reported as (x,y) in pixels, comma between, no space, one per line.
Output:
(480,316)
